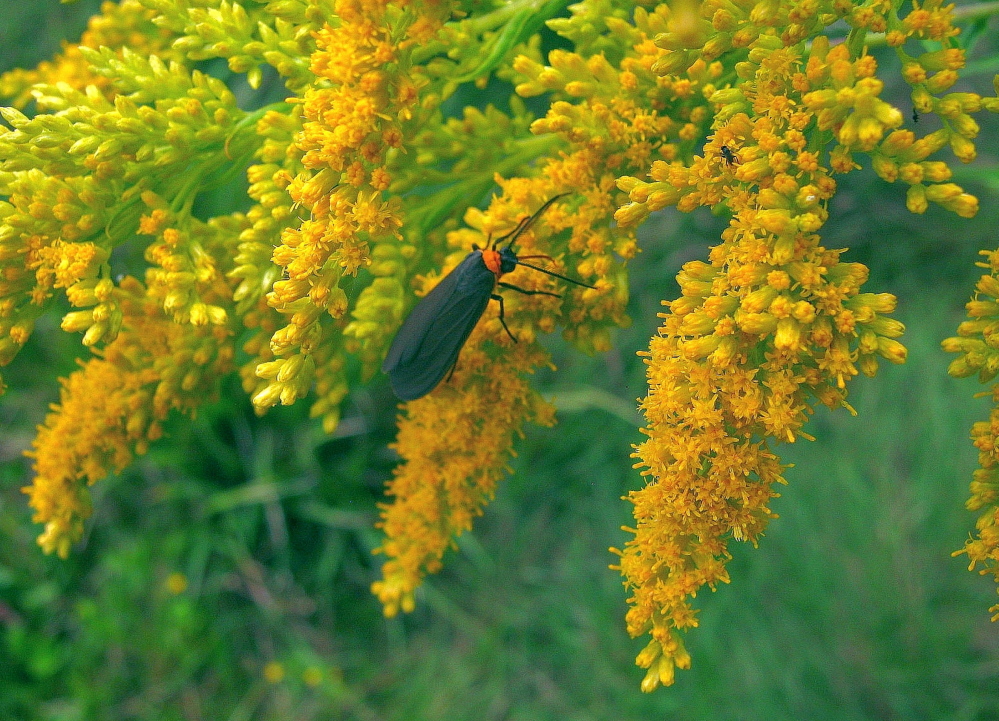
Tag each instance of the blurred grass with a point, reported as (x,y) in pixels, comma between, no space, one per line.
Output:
(852,607)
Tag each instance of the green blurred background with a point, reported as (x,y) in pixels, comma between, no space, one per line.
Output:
(225,575)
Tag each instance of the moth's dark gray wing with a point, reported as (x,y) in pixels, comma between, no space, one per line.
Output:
(430,339)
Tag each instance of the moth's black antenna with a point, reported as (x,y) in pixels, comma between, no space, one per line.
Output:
(526,223)
(557,275)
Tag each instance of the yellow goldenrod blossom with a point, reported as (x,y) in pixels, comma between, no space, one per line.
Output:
(273,212)
(182,276)
(774,323)
(975,342)
(249,38)
(114,405)
(348,129)
(456,443)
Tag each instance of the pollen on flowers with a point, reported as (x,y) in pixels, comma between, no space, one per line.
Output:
(62,264)
(774,325)
(471,421)
(112,408)
(348,126)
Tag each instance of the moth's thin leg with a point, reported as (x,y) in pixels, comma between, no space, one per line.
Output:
(496,296)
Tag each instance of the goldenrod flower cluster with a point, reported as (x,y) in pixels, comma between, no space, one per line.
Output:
(773,323)
(456,443)
(114,406)
(365,188)
(977,344)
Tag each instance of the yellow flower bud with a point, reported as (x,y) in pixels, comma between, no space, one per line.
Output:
(626,183)
(783,250)
(911,173)
(897,142)
(759,300)
(673,62)
(936,171)
(892,350)
(913,73)
(697,270)
(631,214)
(946,59)
(651,681)
(289,369)
(580,89)
(698,348)
(915,199)
(660,199)
(804,312)
(529,90)
(895,38)
(76,321)
(868,342)
(964,149)
(754,170)
(960,368)
(697,323)
(727,96)
(267,397)
(811,222)
(217,315)
(942,81)
(849,132)
(95,333)
(943,192)
(756,323)
(929,144)
(788,336)
(886,168)
(269,369)
(965,125)
(887,327)
(965,205)
(953,345)
(922,101)
(14,117)
(868,365)
(684,304)
(807,197)
(878,302)
(769,198)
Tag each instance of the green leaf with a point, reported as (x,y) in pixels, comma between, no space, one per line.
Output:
(518,29)
(969,36)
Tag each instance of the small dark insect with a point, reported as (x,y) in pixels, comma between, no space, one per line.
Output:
(915,115)
(430,339)
(728,155)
